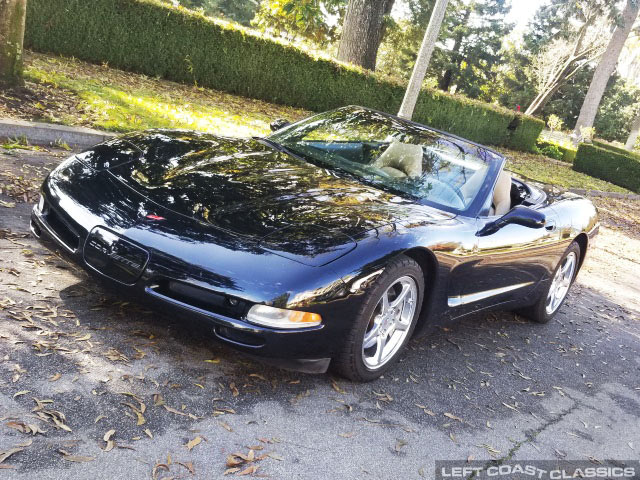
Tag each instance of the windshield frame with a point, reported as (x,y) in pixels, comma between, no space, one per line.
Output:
(473,210)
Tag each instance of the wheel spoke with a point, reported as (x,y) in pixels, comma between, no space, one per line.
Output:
(371,336)
(385,304)
(381,342)
(401,296)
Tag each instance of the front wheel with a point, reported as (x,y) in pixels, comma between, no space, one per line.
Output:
(384,323)
(556,293)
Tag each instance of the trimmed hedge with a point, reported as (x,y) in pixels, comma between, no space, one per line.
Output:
(622,170)
(160,40)
(613,148)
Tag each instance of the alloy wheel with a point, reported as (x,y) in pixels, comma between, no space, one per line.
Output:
(390,323)
(561,283)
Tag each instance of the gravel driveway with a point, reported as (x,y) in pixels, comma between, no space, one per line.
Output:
(92,386)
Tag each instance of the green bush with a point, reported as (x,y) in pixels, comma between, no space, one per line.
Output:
(613,148)
(160,40)
(549,149)
(622,170)
(556,151)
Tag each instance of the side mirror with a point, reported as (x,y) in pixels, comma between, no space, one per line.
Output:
(279,124)
(520,215)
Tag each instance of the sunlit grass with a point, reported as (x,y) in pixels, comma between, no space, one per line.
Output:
(118,101)
(546,170)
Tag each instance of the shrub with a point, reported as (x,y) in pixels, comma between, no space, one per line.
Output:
(554,122)
(157,39)
(622,170)
(613,148)
(549,149)
(556,151)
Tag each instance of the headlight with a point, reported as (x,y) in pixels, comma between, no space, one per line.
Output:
(281,318)
(41,204)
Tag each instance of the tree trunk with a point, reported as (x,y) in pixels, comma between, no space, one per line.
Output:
(605,69)
(633,136)
(568,70)
(362,32)
(538,103)
(424,57)
(12,18)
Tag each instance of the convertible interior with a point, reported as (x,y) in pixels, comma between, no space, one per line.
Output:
(454,176)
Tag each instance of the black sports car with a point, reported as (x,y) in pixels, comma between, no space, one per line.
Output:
(332,240)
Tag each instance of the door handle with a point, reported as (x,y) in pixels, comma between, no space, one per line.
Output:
(550,225)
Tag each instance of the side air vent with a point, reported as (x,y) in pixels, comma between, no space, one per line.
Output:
(204,299)
(62,228)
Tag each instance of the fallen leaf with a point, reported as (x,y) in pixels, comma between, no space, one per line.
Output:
(234,389)
(192,443)
(75,458)
(453,417)
(6,454)
(251,469)
(337,387)
(107,438)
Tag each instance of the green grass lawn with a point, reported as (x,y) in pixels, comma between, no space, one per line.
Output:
(546,170)
(78,93)
(72,92)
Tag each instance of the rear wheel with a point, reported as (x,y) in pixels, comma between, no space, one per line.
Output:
(384,323)
(556,293)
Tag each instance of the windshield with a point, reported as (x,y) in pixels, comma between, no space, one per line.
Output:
(404,157)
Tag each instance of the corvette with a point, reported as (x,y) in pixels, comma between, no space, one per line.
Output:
(332,241)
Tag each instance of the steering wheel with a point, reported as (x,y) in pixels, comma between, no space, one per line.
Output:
(456,200)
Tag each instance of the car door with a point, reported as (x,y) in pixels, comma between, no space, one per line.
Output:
(506,264)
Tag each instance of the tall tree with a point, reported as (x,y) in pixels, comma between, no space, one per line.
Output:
(606,68)
(296,19)
(574,46)
(12,20)
(633,135)
(476,31)
(469,47)
(362,31)
(424,57)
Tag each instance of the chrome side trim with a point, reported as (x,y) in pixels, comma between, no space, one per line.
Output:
(475,297)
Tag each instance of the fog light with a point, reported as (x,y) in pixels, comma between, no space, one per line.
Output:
(281,318)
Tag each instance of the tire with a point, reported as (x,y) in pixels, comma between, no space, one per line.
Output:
(401,281)
(545,308)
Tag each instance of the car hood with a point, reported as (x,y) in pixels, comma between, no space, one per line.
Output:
(290,206)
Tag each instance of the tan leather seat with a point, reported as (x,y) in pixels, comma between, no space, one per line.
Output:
(501,195)
(400,160)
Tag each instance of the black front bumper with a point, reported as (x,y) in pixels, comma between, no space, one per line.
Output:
(307,350)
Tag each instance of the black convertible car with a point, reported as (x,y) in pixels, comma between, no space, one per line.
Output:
(332,240)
